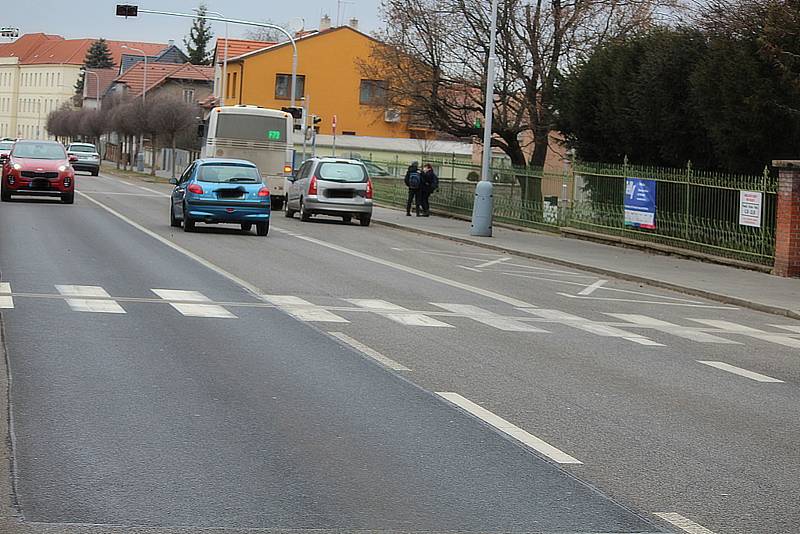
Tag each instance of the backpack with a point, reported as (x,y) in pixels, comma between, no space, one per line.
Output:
(434,181)
(414,180)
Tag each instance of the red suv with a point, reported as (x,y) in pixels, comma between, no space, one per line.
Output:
(38,168)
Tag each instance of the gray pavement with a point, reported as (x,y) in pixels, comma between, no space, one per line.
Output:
(742,287)
(133,407)
(604,370)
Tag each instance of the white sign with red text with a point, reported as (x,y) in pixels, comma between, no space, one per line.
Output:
(750,203)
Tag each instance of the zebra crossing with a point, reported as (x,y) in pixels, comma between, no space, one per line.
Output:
(627,327)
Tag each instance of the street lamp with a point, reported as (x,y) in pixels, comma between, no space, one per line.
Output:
(129,10)
(483,205)
(97,82)
(144,55)
(224,81)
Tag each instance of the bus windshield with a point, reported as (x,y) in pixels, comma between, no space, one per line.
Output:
(251,127)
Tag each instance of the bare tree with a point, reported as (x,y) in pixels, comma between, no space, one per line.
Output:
(269,35)
(172,117)
(435,52)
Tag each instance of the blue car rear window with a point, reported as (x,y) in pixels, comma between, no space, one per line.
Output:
(228,173)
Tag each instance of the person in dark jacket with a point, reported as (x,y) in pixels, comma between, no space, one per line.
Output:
(413,182)
(430,183)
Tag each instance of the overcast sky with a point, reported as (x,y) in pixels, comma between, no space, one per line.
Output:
(96,18)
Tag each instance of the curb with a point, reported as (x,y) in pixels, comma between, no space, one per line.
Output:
(710,295)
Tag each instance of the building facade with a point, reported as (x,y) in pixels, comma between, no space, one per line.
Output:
(38,74)
(329,77)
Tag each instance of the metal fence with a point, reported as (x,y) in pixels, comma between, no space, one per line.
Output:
(695,210)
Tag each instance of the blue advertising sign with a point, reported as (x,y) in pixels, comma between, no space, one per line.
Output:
(640,203)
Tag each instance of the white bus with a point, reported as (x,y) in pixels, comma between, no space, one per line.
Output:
(263,136)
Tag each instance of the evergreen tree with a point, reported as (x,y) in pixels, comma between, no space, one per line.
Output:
(98,56)
(200,36)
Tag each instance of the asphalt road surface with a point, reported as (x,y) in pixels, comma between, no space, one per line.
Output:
(337,377)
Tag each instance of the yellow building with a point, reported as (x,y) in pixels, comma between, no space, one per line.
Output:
(328,75)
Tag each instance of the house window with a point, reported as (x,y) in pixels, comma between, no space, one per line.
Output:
(372,92)
(188,96)
(233,86)
(228,85)
(283,84)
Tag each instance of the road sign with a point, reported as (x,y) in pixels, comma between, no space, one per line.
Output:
(333,123)
(750,203)
(640,203)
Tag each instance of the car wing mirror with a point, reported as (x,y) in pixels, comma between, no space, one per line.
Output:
(4,157)
(173,181)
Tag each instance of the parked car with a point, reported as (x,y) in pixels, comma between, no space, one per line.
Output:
(5,147)
(331,186)
(216,191)
(88,157)
(38,168)
(375,170)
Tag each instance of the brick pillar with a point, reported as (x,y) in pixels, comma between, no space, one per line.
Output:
(787,231)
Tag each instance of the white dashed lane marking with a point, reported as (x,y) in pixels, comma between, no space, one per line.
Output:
(758,377)
(488,318)
(509,429)
(6,300)
(304,310)
(194,305)
(693,334)
(682,523)
(398,314)
(94,304)
(590,326)
(372,353)
(727,326)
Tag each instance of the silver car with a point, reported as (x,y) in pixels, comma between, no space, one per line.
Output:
(331,186)
(88,157)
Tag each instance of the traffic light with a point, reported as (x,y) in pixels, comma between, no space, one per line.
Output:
(127,10)
(316,119)
(296,112)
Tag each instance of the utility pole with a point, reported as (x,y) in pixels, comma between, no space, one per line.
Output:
(483,205)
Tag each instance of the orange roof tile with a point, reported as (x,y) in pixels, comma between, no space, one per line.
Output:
(158,73)
(237,47)
(42,49)
(105,77)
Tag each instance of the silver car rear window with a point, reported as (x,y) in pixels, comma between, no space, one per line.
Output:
(341,172)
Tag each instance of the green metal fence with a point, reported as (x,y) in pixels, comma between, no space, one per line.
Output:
(695,210)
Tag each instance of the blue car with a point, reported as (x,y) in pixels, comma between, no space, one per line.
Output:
(216,191)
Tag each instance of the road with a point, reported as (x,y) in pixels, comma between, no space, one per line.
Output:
(339,377)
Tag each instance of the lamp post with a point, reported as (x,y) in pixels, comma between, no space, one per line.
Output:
(144,55)
(129,10)
(97,83)
(483,206)
(224,81)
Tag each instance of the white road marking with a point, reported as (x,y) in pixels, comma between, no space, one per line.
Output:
(190,309)
(121,193)
(97,304)
(682,523)
(676,330)
(372,353)
(588,290)
(164,241)
(422,274)
(780,339)
(687,304)
(473,269)
(491,262)
(488,318)
(790,327)
(587,325)
(398,314)
(304,310)
(758,377)
(509,428)
(6,300)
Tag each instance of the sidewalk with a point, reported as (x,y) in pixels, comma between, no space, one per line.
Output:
(739,287)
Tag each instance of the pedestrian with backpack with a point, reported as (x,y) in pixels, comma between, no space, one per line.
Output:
(413,182)
(430,183)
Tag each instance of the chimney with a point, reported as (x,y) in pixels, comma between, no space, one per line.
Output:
(354,23)
(171,42)
(325,23)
